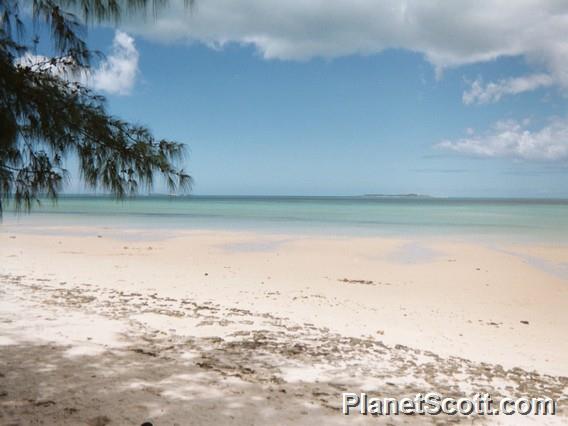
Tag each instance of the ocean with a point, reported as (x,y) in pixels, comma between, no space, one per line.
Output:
(540,219)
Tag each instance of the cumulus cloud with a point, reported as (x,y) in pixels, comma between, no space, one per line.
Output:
(447,33)
(479,93)
(513,139)
(116,74)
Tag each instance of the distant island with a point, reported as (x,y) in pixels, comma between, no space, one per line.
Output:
(396,196)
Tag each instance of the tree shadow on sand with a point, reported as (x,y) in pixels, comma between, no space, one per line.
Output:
(282,373)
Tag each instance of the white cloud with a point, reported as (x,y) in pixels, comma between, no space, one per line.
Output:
(116,74)
(511,139)
(58,66)
(447,33)
(29,60)
(479,93)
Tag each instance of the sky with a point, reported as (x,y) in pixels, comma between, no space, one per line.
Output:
(353,97)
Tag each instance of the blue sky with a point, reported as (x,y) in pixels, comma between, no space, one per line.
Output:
(394,120)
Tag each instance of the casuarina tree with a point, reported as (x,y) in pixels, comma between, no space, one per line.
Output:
(49,115)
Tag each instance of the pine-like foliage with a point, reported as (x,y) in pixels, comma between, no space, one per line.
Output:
(46,116)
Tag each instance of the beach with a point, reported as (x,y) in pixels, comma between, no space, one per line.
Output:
(121,325)
(283,213)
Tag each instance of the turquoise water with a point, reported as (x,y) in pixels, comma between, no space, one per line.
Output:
(542,219)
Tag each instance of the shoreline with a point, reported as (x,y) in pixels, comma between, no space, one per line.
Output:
(63,224)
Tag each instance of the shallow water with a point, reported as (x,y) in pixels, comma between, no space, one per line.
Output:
(545,220)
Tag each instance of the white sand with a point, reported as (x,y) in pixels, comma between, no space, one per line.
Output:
(117,328)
